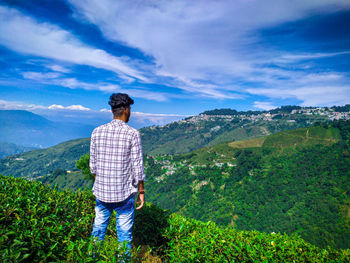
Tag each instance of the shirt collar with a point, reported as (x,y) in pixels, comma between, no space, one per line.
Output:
(117,122)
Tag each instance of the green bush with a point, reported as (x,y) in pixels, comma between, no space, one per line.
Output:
(195,241)
(38,224)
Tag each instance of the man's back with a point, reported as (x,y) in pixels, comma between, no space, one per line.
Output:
(116,160)
(117,164)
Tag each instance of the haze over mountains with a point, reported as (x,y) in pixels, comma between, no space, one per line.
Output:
(209,128)
(11,149)
(27,129)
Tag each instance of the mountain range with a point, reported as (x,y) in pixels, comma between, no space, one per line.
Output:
(296,181)
(207,129)
(11,149)
(27,129)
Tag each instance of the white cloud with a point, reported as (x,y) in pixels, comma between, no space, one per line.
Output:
(71,107)
(310,96)
(81,114)
(288,58)
(205,47)
(77,107)
(73,83)
(58,68)
(203,44)
(53,78)
(320,78)
(23,34)
(206,90)
(10,105)
(15,105)
(39,76)
(56,107)
(264,105)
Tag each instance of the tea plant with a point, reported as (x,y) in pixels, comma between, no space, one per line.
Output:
(195,241)
(38,224)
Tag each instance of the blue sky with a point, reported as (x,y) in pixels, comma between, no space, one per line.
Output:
(63,59)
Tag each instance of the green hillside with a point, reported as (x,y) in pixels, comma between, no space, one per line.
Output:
(303,137)
(224,125)
(38,224)
(41,162)
(208,130)
(294,181)
(286,140)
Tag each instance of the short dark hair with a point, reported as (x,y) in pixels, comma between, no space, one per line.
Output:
(119,102)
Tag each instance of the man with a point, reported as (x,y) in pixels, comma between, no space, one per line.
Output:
(117,164)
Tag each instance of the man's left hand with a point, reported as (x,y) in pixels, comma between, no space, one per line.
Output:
(140,200)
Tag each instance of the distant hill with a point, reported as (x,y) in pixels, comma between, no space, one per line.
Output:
(32,130)
(181,136)
(184,136)
(224,125)
(283,109)
(11,149)
(208,129)
(41,162)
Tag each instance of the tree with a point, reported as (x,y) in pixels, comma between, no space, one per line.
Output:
(83,165)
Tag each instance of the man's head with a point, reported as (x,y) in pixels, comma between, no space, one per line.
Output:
(120,105)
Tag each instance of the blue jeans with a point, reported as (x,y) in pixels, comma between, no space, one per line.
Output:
(125,219)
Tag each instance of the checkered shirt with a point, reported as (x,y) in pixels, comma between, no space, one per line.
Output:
(116,160)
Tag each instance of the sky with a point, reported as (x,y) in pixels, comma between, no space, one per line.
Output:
(64,58)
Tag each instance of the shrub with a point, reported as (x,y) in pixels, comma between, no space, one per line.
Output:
(38,224)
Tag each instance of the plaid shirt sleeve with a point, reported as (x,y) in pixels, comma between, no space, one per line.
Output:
(137,157)
(92,163)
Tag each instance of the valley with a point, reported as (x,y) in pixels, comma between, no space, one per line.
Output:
(294,181)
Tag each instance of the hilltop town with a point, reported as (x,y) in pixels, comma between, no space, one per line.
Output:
(327,113)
